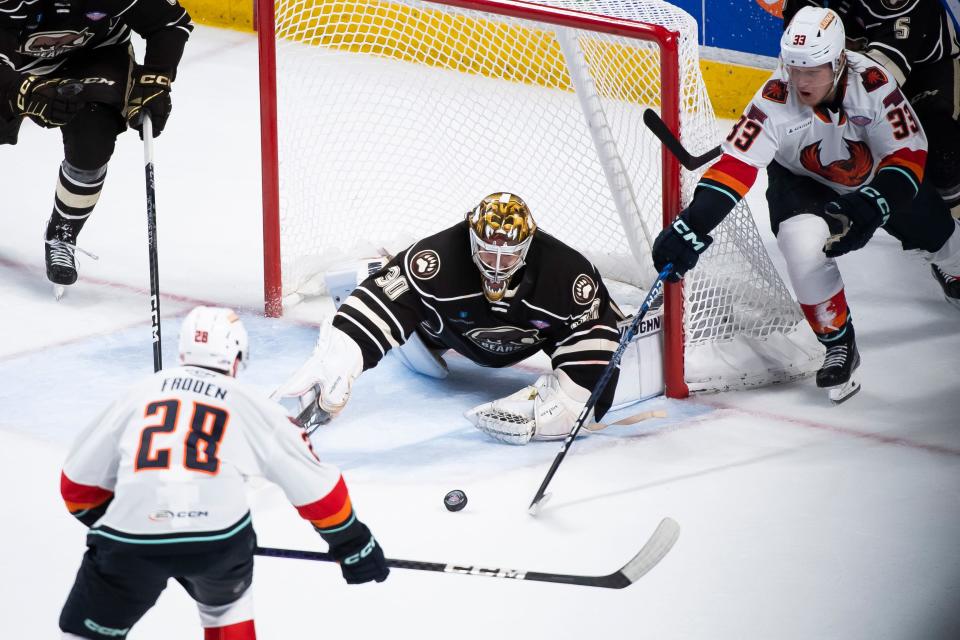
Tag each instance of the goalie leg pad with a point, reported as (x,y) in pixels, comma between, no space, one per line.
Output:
(322,384)
(419,358)
(814,276)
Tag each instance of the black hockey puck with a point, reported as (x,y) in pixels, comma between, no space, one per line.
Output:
(455,500)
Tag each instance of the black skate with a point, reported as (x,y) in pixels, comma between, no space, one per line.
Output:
(61,261)
(949,284)
(836,374)
(60,253)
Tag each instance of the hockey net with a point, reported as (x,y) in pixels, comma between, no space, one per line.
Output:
(394,117)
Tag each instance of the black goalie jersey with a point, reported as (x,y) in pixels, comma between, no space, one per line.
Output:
(556,303)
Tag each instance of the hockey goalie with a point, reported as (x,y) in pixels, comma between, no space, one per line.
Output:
(493,288)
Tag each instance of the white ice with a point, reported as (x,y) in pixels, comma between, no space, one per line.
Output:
(799,519)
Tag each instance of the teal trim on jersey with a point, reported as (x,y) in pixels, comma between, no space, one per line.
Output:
(830,338)
(909,175)
(349,522)
(736,201)
(221,536)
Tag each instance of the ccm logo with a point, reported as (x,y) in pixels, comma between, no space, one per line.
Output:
(687,234)
(153,78)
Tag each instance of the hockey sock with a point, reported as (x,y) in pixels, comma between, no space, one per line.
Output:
(239,631)
(830,320)
(77,193)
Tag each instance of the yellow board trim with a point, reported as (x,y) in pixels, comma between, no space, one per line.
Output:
(730,86)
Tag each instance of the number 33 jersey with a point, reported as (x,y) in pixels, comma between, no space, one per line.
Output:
(173,455)
(842,145)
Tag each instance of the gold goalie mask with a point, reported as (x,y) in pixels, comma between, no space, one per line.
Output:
(501,230)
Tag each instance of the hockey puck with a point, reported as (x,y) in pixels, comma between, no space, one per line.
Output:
(455,500)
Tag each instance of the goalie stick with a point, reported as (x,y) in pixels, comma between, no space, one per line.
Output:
(670,141)
(631,331)
(634,419)
(653,551)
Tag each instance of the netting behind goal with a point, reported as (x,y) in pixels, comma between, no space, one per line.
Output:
(396,116)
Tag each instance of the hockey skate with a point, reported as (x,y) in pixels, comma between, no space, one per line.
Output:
(60,255)
(949,284)
(836,374)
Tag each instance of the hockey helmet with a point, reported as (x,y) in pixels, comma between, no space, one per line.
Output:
(814,37)
(213,337)
(501,230)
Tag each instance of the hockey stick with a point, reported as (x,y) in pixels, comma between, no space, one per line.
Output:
(147,125)
(634,419)
(670,141)
(647,558)
(655,290)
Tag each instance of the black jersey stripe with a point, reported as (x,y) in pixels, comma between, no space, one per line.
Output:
(374,301)
(364,332)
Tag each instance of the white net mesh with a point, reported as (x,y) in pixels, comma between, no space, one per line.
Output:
(398,116)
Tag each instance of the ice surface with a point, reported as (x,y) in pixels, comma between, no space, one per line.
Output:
(799,519)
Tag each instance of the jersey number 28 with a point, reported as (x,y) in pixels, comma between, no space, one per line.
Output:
(205,430)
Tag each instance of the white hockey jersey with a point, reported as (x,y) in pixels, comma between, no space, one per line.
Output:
(869,127)
(170,460)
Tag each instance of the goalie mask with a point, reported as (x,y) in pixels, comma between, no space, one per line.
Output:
(815,37)
(213,337)
(501,230)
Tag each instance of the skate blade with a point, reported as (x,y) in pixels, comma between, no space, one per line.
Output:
(955,302)
(843,392)
(58,291)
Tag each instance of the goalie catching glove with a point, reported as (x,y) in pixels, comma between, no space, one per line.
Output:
(546,410)
(320,388)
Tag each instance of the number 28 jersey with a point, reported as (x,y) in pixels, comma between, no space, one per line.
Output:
(173,455)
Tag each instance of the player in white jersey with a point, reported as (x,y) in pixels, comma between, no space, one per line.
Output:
(844,155)
(159,478)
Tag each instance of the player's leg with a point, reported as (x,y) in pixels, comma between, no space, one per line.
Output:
(10,130)
(929,227)
(796,216)
(88,144)
(934,92)
(219,582)
(112,591)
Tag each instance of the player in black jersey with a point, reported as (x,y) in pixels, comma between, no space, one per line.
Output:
(495,289)
(69,64)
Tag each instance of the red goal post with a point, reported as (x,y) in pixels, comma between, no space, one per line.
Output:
(681,333)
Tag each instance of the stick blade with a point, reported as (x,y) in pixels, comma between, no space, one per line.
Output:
(658,546)
(536,505)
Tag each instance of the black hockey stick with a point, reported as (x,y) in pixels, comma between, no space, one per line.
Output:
(147,125)
(659,129)
(655,290)
(647,558)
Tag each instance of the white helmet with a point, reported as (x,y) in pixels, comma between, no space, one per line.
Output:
(213,337)
(815,37)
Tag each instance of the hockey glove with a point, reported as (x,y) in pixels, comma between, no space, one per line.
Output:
(359,554)
(149,93)
(860,213)
(680,245)
(50,102)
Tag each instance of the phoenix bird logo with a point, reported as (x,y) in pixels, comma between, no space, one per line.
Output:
(851,172)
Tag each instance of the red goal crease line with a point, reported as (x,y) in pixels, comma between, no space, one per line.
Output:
(847,431)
